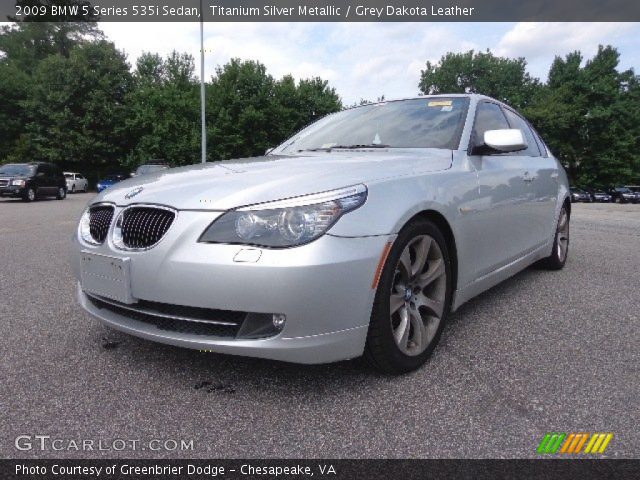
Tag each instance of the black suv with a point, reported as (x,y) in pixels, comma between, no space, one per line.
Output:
(623,195)
(32,180)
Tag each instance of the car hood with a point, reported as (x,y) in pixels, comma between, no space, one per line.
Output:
(234,183)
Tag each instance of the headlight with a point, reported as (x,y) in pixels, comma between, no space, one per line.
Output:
(18,183)
(285,223)
(83,229)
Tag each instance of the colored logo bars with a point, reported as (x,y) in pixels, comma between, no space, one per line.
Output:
(554,442)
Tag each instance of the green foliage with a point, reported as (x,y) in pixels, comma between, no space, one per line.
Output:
(68,96)
(77,108)
(588,114)
(163,119)
(250,112)
(503,78)
(590,117)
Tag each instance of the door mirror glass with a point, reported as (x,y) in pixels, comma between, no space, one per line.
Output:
(505,140)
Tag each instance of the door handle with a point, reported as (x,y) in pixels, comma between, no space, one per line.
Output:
(528,178)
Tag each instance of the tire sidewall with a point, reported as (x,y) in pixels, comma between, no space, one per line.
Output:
(557,263)
(399,361)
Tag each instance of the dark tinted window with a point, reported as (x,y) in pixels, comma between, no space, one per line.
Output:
(489,116)
(516,121)
(11,169)
(544,151)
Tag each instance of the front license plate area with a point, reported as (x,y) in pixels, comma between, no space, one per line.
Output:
(106,276)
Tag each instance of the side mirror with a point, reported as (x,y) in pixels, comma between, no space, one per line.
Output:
(40,174)
(505,140)
(269,150)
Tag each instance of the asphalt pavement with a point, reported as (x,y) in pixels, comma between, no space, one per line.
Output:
(544,351)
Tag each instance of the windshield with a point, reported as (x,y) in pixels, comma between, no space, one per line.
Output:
(69,175)
(143,169)
(17,169)
(429,122)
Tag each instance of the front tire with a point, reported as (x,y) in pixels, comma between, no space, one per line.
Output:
(62,193)
(412,300)
(558,256)
(30,195)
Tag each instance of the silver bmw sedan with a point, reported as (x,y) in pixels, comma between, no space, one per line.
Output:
(355,237)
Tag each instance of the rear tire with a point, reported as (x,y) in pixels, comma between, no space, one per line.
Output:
(558,257)
(412,300)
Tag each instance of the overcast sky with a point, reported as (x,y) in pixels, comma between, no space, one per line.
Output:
(367,60)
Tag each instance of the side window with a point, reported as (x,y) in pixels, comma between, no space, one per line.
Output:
(544,151)
(489,116)
(43,170)
(517,121)
(79,177)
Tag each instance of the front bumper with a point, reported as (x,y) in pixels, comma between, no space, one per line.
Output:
(324,288)
(12,191)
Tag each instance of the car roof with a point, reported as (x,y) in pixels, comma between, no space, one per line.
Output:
(472,96)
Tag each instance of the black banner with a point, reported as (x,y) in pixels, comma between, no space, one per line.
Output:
(324,469)
(322,10)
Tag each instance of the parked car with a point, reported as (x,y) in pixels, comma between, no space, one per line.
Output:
(357,236)
(32,180)
(110,180)
(578,195)
(597,195)
(635,189)
(623,195)
(150,167)
(76,182)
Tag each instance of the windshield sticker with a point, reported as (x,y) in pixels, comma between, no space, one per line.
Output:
(440,103)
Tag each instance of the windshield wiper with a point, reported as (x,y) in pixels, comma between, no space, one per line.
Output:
(345,147)
(361,145)
(317,149)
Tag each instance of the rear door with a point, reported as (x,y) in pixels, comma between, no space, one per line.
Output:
(501,216)
(42,179)
(81,183)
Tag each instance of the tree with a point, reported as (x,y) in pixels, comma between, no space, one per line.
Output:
(34,38)
(164,110)
(590,116)
(503,78)
(14,90)
(248,111)
(77,108)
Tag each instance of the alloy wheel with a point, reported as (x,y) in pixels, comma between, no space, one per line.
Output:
(563,235)
(418,295)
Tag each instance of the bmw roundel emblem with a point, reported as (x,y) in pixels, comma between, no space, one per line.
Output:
(134,192)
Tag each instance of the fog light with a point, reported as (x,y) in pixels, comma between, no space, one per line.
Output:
(278,320)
